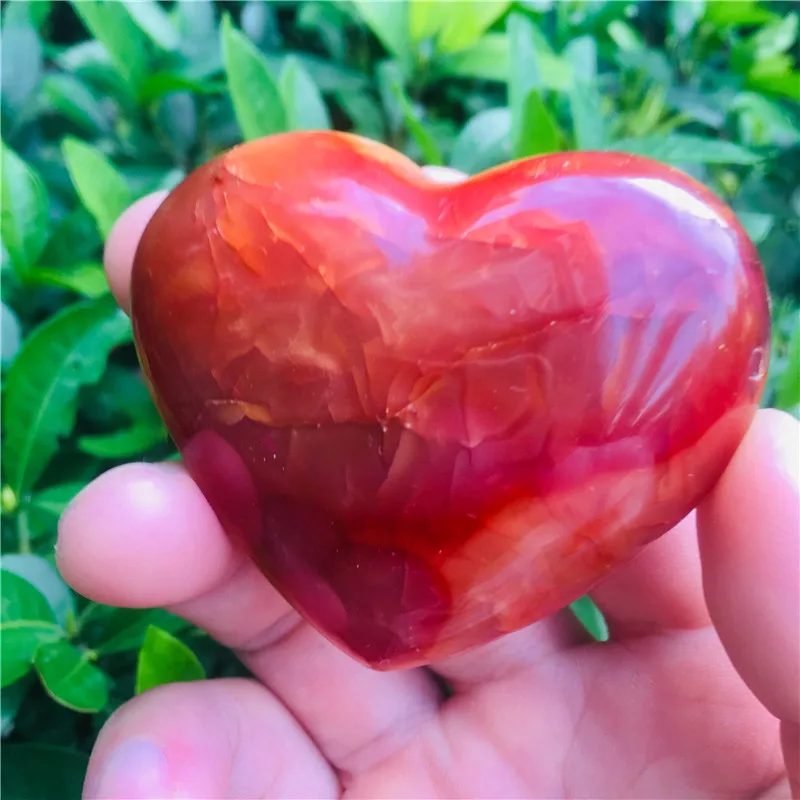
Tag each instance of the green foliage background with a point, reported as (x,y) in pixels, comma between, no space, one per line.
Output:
(103,102)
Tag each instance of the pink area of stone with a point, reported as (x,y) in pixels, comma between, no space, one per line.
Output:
(433,414)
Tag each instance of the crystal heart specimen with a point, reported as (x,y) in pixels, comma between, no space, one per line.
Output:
(434,414)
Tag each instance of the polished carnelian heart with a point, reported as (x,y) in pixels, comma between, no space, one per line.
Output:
(434,414)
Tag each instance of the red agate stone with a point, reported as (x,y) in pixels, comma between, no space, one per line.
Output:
(434,414)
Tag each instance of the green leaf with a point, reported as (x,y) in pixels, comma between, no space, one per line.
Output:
(788,388)
(87,279)
(177,118)
(592,619)
(111,24)
(624,36)
(10,335)
(44,577)
(647,117)
(126,443)
(684,15)
(426,19)
(39,12)
(21,639)
(255,95)
(74,239)
(783,85)
(197,28)
(363,111)
(24,219)
(420,134)
(165,659)
(585,102)
(582,55)
(721,13)
(65,94)
(259,23)
(21,12)
(467,21)
(55,499)
(26,620)
(390,23)
(40,771)
(102,189)
(454,26)
(484,142)
(588,118)
(683,148)
(122,392)
(540,132)
(89,61)
(487,60)
(11,700)
(154,22)
(22,601)
(124,629)
(490,60)
(774,38)
(21,62)
(70,678)
(756,224)
(763,121)
(63,354)
(328,21)
(305,108)
(524,76)
(155,86)
(44,508)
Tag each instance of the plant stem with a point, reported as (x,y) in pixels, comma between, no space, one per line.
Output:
(23,533)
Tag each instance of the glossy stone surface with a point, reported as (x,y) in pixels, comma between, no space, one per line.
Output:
(435,414)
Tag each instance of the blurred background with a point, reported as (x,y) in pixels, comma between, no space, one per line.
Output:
(103,102)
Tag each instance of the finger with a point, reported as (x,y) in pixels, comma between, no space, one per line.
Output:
(210,739)
(661,589)
(165,545)
(168,548)
(749,533)
(121,246)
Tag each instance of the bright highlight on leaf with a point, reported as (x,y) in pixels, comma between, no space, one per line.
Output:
(592,619)
(24,214)
(64,354)
(100,186)
(26,622)
(70,678)
(255,94)
(165,659)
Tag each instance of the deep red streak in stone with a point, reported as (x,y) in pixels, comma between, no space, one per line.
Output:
(434,414)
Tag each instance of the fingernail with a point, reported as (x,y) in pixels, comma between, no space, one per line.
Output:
(136,770)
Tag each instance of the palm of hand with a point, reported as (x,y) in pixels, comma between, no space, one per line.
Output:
(661,716)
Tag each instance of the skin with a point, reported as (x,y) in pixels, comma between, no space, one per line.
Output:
(696,695)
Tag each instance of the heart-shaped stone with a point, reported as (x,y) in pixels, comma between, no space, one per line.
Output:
(433,414)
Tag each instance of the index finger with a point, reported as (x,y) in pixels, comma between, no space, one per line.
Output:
(121,246)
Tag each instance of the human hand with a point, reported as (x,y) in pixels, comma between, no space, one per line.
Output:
(684,700)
